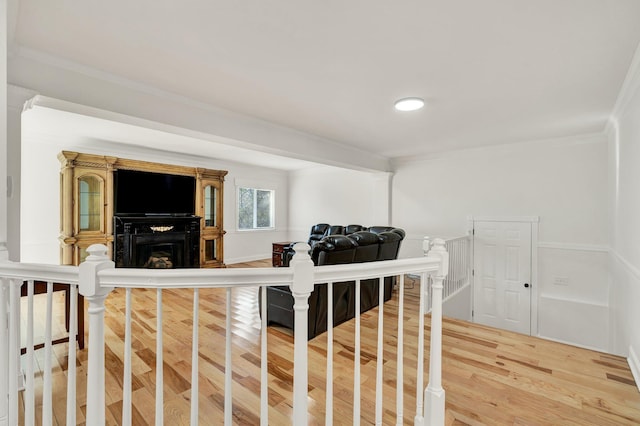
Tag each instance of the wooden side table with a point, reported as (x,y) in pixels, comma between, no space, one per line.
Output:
(277,252)
(40,287)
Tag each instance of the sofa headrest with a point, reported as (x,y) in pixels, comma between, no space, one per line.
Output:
(320,228)
(389,236)
(335,230)
(364,238)
(336,242)
(350,229)
(399,231)
(379,229)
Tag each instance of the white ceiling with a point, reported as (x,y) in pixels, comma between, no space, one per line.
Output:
(491,71)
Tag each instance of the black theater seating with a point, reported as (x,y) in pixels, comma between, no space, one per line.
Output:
(360,245)
(317,233)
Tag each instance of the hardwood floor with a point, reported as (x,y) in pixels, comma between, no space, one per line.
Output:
(491,377)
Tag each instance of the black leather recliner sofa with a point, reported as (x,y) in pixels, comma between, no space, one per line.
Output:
(361,245)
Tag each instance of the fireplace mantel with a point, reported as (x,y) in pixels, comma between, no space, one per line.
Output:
(87,204)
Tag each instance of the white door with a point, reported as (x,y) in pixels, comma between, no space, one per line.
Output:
(502,275)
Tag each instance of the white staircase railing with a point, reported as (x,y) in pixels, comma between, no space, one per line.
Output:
(12,364)
(459,270)
(97,277)
(459,274)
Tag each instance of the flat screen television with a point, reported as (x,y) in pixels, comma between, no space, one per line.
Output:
(140,193)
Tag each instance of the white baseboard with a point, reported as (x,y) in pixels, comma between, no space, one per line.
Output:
(634,364)
(565,342)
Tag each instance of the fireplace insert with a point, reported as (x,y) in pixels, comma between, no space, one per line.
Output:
(157,241)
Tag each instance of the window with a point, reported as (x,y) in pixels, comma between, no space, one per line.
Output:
(255,208)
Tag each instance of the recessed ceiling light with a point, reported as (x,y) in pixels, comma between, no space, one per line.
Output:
(409,104)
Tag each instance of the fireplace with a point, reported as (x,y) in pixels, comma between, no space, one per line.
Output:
(157,241)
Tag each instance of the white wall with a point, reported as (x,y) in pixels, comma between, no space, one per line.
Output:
(459,306)
(335,196)
(564,182)
(624,163)
(244,246)
(40,194)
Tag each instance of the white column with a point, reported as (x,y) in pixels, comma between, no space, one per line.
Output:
(381,209)
(90,288)
(3,131)
(301,289)
(18,100)
(434,395)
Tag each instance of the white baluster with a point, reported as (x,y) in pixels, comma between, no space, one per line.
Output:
(47,385)
(195,394)
(71,355)
(426,245)
(419,418)
(380,354)
(29,403)
(301,289)
(159,361)
(90,288)
(329,384)
(400,357)
(264,376)
(228,367)
(434,397)
(126,380)
(14,350)
(457,264)
(356,360)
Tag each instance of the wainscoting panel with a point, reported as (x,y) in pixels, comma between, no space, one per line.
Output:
(573,306)
(625,315)
(573,322)
(459,306)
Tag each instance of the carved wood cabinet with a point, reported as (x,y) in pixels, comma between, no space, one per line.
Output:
(87,204)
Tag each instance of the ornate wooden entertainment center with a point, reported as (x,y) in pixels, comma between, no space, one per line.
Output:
(88,206)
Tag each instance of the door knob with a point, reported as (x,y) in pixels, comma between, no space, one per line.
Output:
(526,285)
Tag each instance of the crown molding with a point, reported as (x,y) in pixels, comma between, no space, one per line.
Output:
(579,139)
(20,98)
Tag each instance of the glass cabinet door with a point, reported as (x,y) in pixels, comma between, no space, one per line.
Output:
(210,206)
(210,250)
(89,203)
(211,233)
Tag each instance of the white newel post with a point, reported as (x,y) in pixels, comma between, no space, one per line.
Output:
(301,289)
(4,353)
(434,394)
(426,245)
(90,288)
